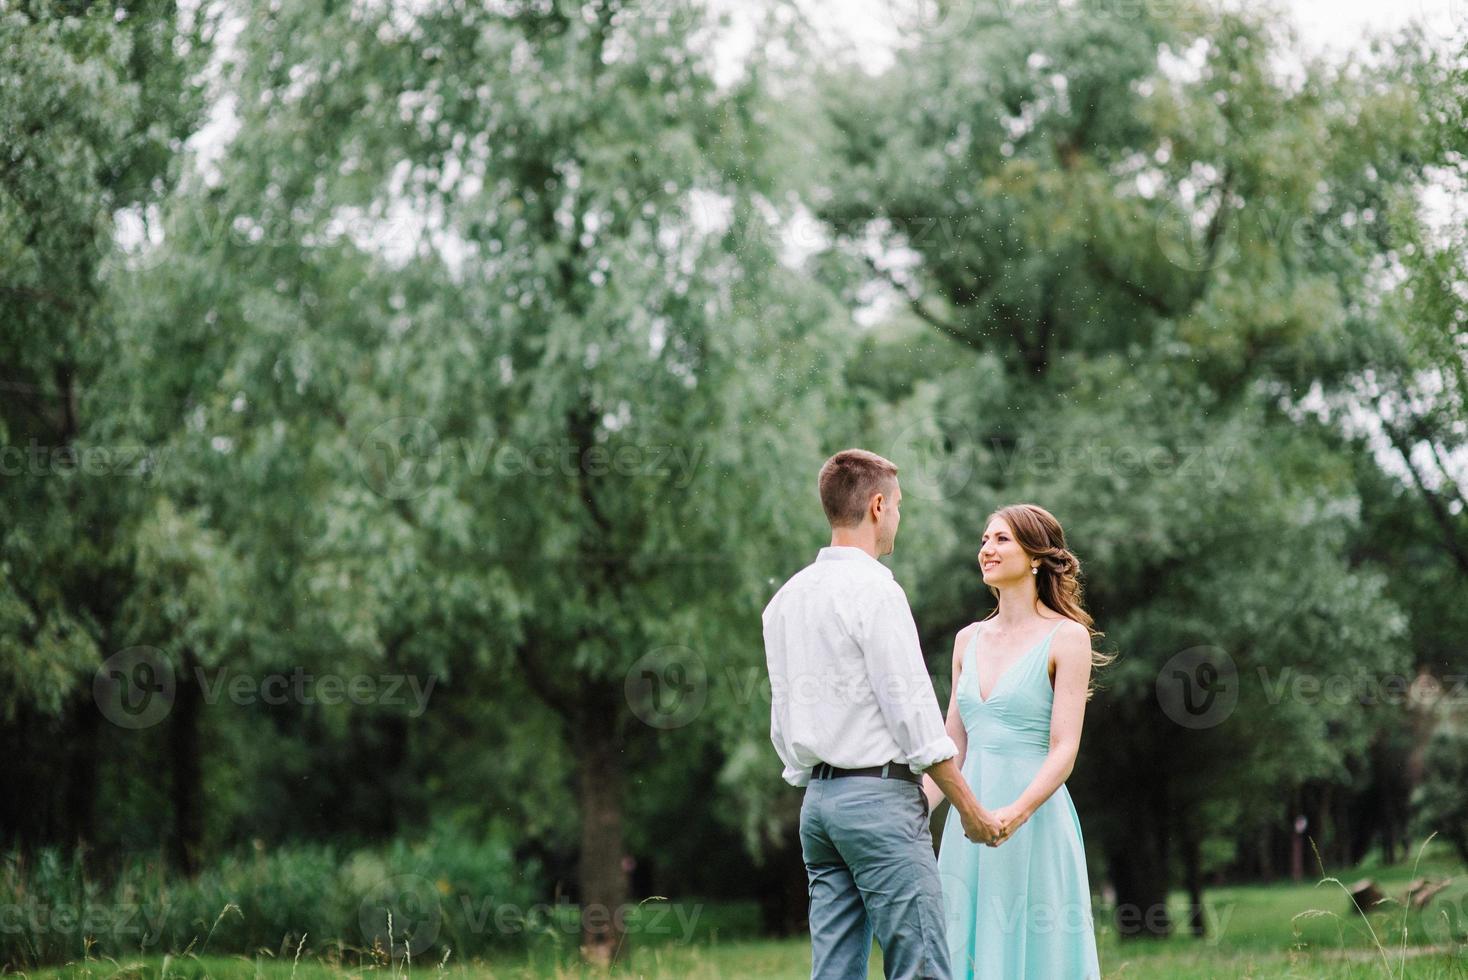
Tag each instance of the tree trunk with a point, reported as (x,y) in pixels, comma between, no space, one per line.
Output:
(784,893)
(1193,875)
(1141,896)
(187,772)
(602,879)
(81,777)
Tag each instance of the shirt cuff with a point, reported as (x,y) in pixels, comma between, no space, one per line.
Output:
(934,752)
(799,777)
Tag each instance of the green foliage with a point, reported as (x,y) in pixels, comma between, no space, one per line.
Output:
(1441,801)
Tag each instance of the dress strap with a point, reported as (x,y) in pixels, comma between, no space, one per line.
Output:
(969,653)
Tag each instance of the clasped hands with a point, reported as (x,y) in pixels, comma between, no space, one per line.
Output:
(992,827)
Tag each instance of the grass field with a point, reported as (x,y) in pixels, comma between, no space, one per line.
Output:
(1257,931)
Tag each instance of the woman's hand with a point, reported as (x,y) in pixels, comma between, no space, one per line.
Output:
(1011,818)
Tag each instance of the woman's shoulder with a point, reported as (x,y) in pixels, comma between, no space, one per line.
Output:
(1072,638)
(961,641)
(1063,625)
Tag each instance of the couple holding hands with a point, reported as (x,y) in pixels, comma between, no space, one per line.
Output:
(856,722)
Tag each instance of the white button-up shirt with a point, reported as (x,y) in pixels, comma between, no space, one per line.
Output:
(848,683)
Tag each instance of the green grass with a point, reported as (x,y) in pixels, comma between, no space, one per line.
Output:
(1255,931)
(784,960)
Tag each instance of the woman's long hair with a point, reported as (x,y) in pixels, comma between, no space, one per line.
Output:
(1058,581)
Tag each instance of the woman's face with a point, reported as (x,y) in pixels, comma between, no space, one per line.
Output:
(1001,559)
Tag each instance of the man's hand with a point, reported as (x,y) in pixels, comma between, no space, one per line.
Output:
(981,826)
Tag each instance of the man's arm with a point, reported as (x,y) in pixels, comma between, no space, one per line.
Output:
(904,693)
(979,825)
(792,773)
(953,720)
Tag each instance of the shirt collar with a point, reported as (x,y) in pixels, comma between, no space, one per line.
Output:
(847,553)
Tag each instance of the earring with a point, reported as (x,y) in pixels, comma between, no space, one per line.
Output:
(1035,570)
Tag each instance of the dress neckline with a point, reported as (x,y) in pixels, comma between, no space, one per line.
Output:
(999,681)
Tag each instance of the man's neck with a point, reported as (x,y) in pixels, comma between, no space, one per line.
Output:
(852,538)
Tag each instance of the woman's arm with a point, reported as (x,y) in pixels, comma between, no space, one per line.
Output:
(1072,649)
(953,721)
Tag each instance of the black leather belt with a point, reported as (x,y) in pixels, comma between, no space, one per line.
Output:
(892,770)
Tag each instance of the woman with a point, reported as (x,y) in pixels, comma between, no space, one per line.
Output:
(1021,907)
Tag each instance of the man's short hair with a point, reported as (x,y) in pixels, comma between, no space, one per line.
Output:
(849,479)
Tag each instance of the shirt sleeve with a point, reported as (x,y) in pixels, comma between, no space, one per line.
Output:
(900,681)
(792,774)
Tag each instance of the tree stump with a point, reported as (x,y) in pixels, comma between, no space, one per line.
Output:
(1422,891)
(1365,894)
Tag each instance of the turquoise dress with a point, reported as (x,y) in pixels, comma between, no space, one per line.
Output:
(1022,910)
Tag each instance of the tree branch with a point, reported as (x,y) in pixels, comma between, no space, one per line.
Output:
(1440,515)
(916,305)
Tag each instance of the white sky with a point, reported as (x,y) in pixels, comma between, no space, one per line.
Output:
(872,27)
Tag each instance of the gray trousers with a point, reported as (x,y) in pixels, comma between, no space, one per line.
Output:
(869,860)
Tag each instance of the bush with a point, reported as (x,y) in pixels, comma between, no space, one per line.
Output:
(444,891)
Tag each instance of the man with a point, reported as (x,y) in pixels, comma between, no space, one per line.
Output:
(855,721)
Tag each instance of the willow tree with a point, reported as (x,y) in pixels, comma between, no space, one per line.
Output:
(500,326)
